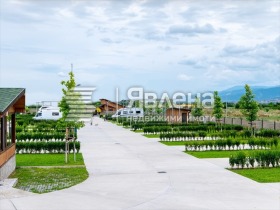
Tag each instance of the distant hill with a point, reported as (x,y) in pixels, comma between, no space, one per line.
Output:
(262,93)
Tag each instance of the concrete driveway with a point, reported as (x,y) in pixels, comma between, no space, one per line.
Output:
(129,171)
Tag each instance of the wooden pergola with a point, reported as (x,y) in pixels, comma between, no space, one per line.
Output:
(12,101)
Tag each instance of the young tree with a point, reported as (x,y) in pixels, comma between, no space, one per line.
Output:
(68,101)
(218,107)
(197,110)
(249,107)
(69,87)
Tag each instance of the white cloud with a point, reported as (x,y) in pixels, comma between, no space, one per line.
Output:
(184,77)
(121,43)
(61,74)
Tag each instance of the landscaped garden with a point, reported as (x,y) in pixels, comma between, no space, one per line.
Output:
(248,155)
(40,158)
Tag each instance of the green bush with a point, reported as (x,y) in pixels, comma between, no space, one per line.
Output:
(266,158)
(44,146)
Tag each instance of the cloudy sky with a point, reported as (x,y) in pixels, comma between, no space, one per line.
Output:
(161,45)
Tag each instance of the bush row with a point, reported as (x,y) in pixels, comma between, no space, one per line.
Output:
(40,136)
(22,129)
(269,158)
(231,144)
(44,147)
(268,133)
(186,135)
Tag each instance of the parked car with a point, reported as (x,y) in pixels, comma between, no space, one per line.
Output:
(129,112)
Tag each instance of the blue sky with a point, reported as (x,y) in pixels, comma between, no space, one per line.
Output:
(161,45)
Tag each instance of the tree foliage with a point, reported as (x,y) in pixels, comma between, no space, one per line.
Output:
(218,106)
(249,107)
(197,110)
(64,104)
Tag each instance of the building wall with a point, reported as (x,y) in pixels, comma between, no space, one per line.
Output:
(8,168)
(175,116)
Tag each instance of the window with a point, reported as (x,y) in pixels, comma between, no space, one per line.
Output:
(130,112)
(39,114)
(119,113)
(138,112)
(9,130)
(54,114)
(124,112)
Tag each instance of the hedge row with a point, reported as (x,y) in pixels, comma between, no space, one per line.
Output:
(267,158)
(268,133)
(175,136)
(183,126)
(39,136)
(44,147)
(231,144)
(20,129)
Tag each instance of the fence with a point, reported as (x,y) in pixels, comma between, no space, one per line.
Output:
(258,124)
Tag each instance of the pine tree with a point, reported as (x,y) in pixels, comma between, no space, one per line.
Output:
(197,110)
(218,107)
(249,107)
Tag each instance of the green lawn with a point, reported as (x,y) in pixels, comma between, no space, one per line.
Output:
(151,135)
(173,143)
(216,153)
(47,159)
(138,131)
(51,178)
(43,180)
(263,175)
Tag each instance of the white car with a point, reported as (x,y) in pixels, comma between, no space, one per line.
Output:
(129,112)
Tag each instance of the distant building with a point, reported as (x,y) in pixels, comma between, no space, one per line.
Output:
(178,115)
(109,107)
(12,101)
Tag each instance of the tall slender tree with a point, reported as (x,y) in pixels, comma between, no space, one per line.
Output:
(248,106)
(69,86)
(70,103)
(218,107)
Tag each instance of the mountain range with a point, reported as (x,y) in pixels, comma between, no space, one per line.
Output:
(262,93)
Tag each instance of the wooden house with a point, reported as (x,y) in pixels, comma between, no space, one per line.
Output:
(178,115)
(109,107)
(12,101)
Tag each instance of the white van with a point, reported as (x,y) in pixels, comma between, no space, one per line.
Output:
(129,112)
(48,113)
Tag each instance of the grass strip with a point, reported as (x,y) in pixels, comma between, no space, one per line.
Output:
(48,160)
(262,175)
(43,180)
(217,153)
(151,135)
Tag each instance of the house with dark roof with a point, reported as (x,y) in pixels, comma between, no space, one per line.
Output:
(12,101)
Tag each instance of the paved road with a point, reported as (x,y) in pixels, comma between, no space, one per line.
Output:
(129,171)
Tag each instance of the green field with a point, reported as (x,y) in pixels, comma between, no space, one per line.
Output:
(216,153)
(42,173)
(47,160)
(263,175)
(151,135)
(173,143)
(43,180)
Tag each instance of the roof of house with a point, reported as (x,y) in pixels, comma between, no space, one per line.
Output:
(182,109)
(9,96)
(112,102)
